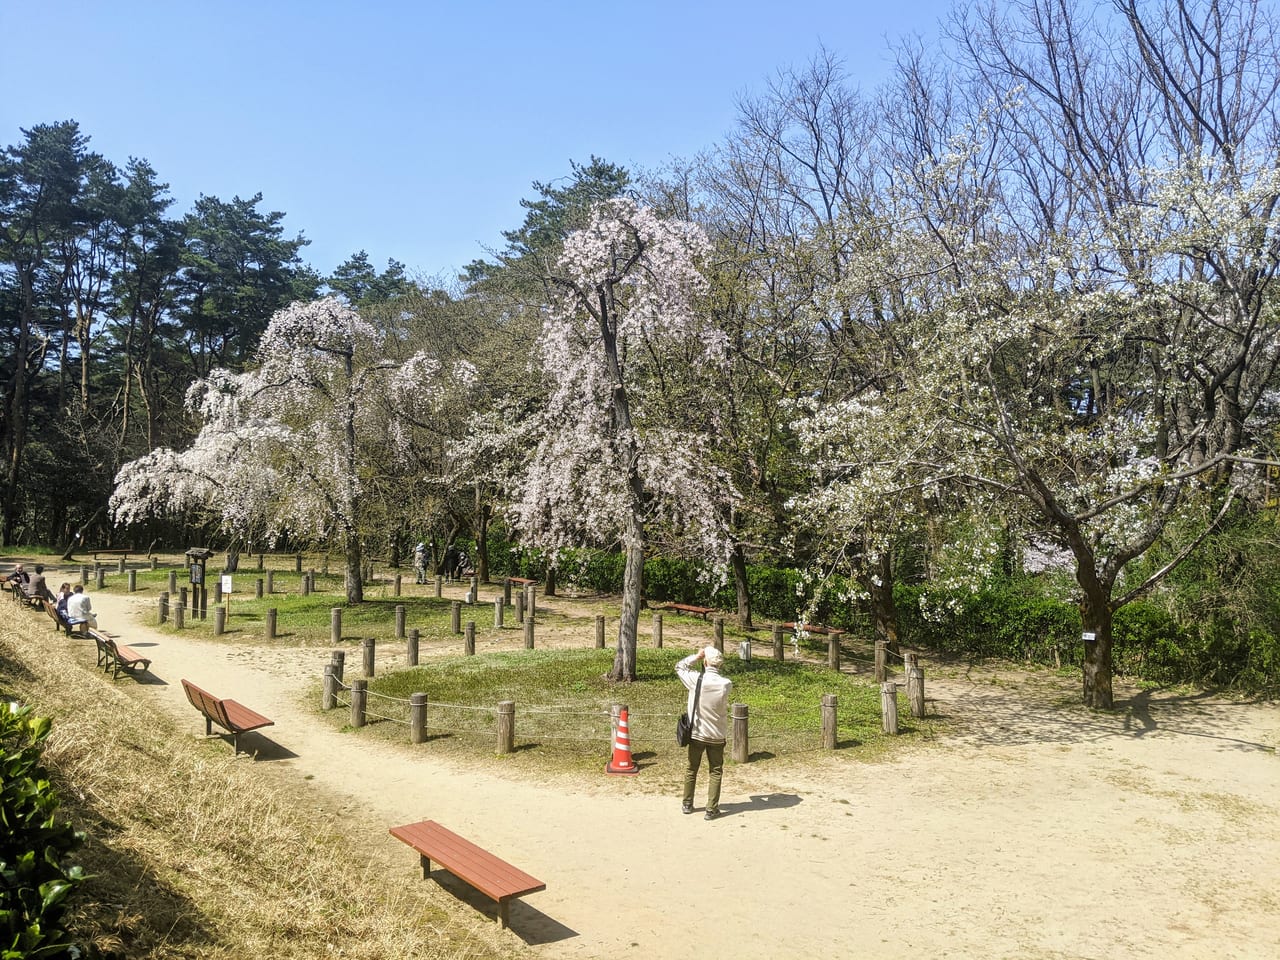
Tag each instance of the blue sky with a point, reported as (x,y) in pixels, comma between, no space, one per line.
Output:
(412,130)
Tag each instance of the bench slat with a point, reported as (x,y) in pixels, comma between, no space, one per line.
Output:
(484,871)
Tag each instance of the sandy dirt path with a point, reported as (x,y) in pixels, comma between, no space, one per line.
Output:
(1035,831)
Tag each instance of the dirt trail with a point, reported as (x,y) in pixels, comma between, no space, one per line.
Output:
(1034,832)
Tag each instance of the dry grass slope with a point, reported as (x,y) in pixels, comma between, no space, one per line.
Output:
(195,854)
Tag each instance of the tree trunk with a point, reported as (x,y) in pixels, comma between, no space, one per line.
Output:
(483,513)
(624,661)
(1096,616)
(884,610)
(738,563)
(354,575)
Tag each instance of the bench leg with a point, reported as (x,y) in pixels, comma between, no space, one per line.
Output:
(426,865)
(503,918)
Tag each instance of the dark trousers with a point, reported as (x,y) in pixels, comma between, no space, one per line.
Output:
(715,767)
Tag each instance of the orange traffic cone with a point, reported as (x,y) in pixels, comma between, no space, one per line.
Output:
(621,762)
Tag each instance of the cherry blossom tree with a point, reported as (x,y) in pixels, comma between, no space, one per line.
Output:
(292,446)
(610,466)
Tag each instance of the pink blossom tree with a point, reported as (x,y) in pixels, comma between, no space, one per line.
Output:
(290,447)
(611,466)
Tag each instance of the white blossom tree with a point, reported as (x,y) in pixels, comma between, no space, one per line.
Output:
(290,447)
(610,467)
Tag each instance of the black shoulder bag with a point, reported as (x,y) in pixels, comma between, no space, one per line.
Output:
(684,726)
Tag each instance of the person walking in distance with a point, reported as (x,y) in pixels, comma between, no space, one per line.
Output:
(710,724)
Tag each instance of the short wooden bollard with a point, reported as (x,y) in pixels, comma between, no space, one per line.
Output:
(397,593)
(257,589)
(335,624)
(530,599)
(133,581)
(455,616)
(219,620)
(297,563)
(411,647)
(506,592)
(121,566)
(889,707)
(777,642)
(599,632)
(262,561)
(718,625)
(469,644)
(915,687)
(217,592)
(399,621)
(828,721)
(369,648)
(657,630)
(163,604)
(744,650)
(882,660)
(520,607)
(269,627)
(84,576)
(498,608)
(271,581)
(741,741)
(359,697)
(506,726)
(339,660)
(329,690)
(182,597)
(306,585)
(528,633)
(417,718)
(179,616)
(102,578)
(474,591)
(173,582)
(439,584)
(153,563)
(833,651)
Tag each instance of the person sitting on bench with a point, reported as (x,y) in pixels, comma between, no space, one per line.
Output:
(36,589)
(79,609)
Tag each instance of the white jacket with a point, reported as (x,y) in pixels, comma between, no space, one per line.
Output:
(711,725)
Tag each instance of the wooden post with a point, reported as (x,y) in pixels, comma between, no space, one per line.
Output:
(498,608)
(271,582)
(329,691)
(297,563)
(179,616)
(528,633)
(506,726)
(506,592)
(102,578)
(741,742)
(531,597)
(889,707)
(370,649)
(359,695)
(599,632)
(153,563)
(163,604)
(833,652)
(398,576)
(915,689)
(520,607)
(718,624)
(657,630)
(549,586)
(257,589)
(882,658)
(173,582)
(828,721)
(261,562)
(219,620)
(121,568)
(469,644)
(411,647)
(270,626)
(182,597)
(439,584)
(399,621)
(335,624)
(84,577)
(133,581)
(339,660)
(744,650)
(217,591)
(306,585)
(417,718)
(455,611)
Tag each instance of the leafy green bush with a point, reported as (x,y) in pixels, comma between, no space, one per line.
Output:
(34,884)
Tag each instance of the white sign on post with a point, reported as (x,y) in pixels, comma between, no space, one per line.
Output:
(226,584)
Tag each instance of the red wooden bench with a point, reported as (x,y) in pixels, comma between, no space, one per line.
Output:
(523,581)
(490,875)
(814,628)
(116,656)
(689,608)
(233,717)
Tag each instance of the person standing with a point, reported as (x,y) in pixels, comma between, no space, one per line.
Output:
(420,562)
(710,724)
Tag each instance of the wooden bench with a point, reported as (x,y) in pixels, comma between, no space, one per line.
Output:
(523,581)
(233,717)
(113,554)
(490,875)
(116,656)
(60,621)
(814,628)
(689,608)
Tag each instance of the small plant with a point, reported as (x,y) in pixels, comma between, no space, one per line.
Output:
(34,883)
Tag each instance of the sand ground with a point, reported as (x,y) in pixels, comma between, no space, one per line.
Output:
(1036,829)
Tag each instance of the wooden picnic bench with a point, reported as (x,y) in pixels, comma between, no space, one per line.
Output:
(490,875)
(116,656)
(689,608)
(233,717)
